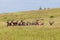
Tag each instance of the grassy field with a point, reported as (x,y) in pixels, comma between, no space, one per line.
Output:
(29,33)
(43,32)
(34,14)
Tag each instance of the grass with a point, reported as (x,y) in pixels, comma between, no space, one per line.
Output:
(37,14)
(29,33)
(44,32)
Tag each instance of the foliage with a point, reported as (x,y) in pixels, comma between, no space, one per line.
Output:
(51,16)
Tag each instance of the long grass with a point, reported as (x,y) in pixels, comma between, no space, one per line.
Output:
(44,32)
(29,33)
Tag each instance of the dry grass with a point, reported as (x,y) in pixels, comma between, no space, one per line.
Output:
(42,32)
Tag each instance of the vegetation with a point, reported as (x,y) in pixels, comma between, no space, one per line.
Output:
(44,32)
(37,14)
(29,33)
(51,16)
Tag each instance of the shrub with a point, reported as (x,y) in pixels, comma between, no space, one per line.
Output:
(5,17)
(51,16)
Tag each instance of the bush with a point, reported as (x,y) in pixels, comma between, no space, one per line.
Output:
(5,17)
(51,16)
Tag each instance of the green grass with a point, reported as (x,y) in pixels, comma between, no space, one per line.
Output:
(44,32)
(29,33)
(37,14)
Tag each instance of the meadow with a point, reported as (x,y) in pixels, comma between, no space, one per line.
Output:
(42,32)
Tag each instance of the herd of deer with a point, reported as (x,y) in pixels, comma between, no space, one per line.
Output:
(22,23)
